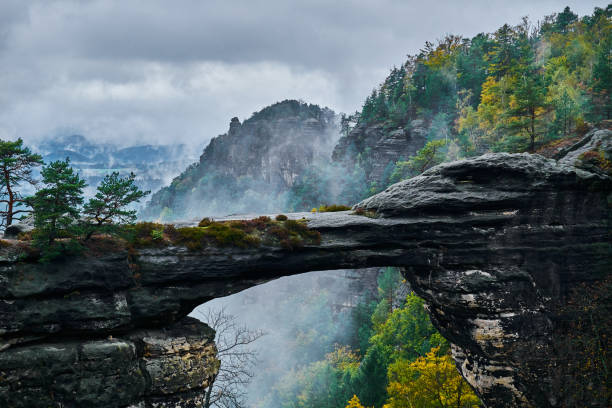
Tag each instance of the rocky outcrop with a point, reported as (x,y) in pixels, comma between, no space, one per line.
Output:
(378,149)
(250,166)
(24,225)
(500,247)
(144,368)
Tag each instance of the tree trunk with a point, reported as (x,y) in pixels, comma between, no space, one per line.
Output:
(11,198)
(532,135)
(209,392)
(459,394)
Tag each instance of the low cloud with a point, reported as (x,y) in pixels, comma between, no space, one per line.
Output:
(158,72)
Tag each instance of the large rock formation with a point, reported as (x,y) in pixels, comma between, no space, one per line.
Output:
(143,368)
(377,148)
(502,247)
(250,166)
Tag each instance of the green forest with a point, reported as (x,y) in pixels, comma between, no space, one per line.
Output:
(512,90)
(523,88)
(391,356)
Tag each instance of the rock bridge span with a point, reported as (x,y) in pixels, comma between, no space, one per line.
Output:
(496,245)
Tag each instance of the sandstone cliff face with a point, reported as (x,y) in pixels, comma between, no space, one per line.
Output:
(499,246)
(143,368)
(246,168)
(379,147)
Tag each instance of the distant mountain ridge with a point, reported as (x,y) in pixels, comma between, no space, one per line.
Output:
(154,165)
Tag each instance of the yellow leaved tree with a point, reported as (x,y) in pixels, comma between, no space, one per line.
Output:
(354,403)
(430,381)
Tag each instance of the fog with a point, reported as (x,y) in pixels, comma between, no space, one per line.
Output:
(303,317)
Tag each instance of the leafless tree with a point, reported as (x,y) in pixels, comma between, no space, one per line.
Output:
(238,359)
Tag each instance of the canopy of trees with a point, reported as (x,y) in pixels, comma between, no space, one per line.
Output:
(510,90)
(394,358)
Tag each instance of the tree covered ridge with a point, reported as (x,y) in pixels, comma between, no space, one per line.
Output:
(513,90)
(529,87)
(489,87)
(291,108)
(521,88)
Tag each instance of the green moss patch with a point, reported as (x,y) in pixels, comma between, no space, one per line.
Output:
(285,233)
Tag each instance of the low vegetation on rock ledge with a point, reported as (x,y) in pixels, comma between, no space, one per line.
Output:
(286,233)
(289,234)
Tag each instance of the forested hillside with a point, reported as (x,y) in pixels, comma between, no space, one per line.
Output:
(392,357)
(524,87)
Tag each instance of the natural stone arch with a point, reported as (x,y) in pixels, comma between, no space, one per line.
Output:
(495,245)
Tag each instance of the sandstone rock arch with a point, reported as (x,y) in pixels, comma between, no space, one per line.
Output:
(496,245)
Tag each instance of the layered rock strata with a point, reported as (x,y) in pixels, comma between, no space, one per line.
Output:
(144,368)
(498,246)
(378,148)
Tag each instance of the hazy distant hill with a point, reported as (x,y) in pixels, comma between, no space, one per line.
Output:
(253,165)
(154,166)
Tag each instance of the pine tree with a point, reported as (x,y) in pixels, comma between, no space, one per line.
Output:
(56,208)
(110,205)
(527,104)
(16,163)
(564,19)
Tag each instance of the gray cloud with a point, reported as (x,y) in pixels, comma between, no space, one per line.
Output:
(158,71)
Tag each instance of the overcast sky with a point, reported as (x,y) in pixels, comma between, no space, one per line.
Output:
(157,71)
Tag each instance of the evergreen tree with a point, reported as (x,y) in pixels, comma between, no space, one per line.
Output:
(56,208)
(371,381)
(564,19)
(16,163)
(527,104)
(110,205)
(602,79)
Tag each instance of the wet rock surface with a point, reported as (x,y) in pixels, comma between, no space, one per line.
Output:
(162,367)
(496,245)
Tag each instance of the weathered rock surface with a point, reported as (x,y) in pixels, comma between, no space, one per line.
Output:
(157,367)
(595,140)
(496,245)
(382,146)
(246,168)
(22,226)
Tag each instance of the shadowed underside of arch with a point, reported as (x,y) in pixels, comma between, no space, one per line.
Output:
(497,246)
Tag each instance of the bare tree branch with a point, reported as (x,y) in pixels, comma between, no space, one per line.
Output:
(228,389)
